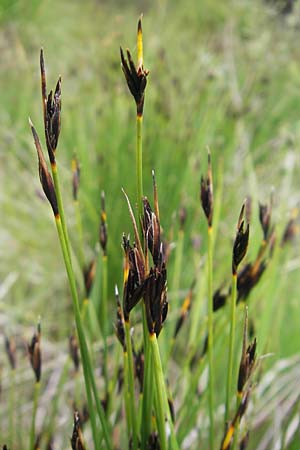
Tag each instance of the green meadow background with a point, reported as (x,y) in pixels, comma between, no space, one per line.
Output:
(222,74)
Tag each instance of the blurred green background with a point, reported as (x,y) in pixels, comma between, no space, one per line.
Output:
(222,74)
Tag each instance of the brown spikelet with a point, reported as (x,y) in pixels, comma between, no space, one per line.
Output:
(77,442)
(119,325)
(136,77)
(51,110)
(206,193)
(89,275)
(184,311)
(45,177)
(103,225)
(74,351)
(75,178)
(241,242)
(10,348)
(34,352)
(247,359)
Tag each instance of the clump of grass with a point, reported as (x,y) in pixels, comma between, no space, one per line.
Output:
(163,375)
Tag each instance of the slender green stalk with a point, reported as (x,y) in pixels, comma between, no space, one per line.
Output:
(12,405)
(103,317)
(210,337)
(159,393)
(139,164)
(127,395)
(55,401)
(147,396)
(36,395)
(56,182)
(86,361)
(80,233)
(162,396)
(231,345)
(131,387)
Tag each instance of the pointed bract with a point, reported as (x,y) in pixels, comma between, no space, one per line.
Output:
(45,177)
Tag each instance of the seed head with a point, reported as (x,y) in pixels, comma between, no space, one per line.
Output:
(119,325)
(89,275)
(184,311)
(134,274)
(51,110)
(265,219)
(74,351)
(10,348)
(45,177)
(247,359)
(155,298)
(240,243)
(206,193)
(34,352)
(103,225)
(136,77)
(75,178)
(77,438)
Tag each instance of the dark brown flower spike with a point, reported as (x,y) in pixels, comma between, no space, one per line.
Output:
(248,278)
(184,310)
(151,228)
(136,77)
(119,325)
(77,438)
(206,193)
(74,351)
(134,273)
(219,299)
(292,228)
(182,217)
(10,348)
(45,177)
(139,367)
(89,276)
(227,440)
(75,177)
(247,359)
(244,441)
(155,298)
(135,229)
(51,110)
(34,352)
(241,242)
(103,225)
(265,219)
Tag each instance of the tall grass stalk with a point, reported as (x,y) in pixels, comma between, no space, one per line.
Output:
(12,406)
(231,346)
(131,392)
(210,336)
(36,394)
(90,383)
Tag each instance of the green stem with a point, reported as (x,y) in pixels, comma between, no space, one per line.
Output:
(35,406)
(12,406)
(103,317)
(139,164)
(60,207)
(127,396)
(231,345)
(159,393)
(210,337)
(148,392)
(86,361)
(162,395)
(131,387)
(80,233)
